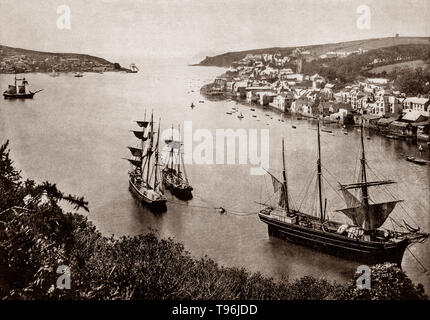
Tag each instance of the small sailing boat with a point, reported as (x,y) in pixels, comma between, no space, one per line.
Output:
(144,177)
(133,68)
(19,90)
(362,240)
(192,105)
(174,175)
(240,116)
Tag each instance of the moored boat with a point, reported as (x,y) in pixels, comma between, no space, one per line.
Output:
(174,175)
(133,68)
(361,240)
(19,90)
(144,177)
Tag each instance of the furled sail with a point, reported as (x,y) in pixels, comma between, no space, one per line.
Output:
(142,124)
(377,214)
(21,89)
(367,184)
(135,151)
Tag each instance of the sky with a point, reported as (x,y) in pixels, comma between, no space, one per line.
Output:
(191,29)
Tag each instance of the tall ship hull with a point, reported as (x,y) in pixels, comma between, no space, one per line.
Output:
(363,239)
(174,174)
(143,195)
(333,243)
(7,95)
(180,190)
(19,90)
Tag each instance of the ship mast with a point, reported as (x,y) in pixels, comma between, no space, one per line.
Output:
(284,175)
(142,148)
(156,156)
(171,151)
(178,157)
(364,189)
(319,174)
(149,150)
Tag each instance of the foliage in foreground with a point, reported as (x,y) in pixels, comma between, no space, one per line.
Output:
(36,236)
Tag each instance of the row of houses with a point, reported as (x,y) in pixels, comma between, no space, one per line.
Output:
(313,97)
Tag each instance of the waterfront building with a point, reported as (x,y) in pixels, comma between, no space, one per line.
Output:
(417,104)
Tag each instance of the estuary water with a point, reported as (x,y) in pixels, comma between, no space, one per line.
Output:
(75,133)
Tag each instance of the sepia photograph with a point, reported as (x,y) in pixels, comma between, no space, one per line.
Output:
(214,156)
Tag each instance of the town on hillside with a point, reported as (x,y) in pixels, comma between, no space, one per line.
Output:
(279,82)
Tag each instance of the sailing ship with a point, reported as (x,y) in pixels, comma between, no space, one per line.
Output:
(174,175)
(19,90)
(362,240)
(133,68)
(144,177)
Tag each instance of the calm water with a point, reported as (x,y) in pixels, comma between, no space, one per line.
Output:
(75,132)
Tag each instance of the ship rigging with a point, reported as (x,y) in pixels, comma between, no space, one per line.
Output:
(144,177)
(362,240)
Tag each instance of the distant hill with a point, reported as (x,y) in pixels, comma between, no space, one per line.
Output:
(24,60)
(226,59)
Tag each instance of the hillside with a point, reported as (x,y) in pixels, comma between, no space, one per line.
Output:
(406,64)
(24,60)
(226,59)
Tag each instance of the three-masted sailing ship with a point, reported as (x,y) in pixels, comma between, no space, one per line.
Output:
(361,240)
(144,177)
(174,174)
(19,90)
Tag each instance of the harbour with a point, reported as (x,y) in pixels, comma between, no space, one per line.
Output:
(92,131)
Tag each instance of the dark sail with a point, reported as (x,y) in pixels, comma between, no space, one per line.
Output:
(136,163)
(140,135)
(11,89)
(142,124)
(135,151)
